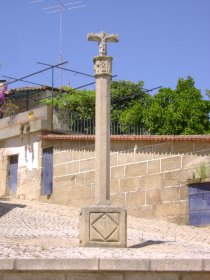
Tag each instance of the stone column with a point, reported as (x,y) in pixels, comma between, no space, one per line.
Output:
(103,74)
(103,225)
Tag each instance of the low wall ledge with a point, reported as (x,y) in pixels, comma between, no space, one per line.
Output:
(108,264)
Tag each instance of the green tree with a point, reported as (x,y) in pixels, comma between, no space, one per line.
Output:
(82,102)
(179,111)
(123,96)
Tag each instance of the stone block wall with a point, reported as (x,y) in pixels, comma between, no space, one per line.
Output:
(148,177)
(102,275)
(73,172)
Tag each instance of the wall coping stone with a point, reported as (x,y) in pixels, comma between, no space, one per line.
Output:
(196,181)
(107,264)
(158,138)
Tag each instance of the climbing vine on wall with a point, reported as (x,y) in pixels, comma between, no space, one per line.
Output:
(9,108)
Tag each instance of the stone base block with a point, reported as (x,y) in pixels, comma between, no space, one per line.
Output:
(103,226)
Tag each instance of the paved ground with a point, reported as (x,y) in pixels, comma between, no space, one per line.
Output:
(39,230)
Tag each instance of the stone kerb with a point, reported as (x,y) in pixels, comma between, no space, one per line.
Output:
(105,264)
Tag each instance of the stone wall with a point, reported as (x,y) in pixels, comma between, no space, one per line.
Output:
(10,127)
(101,268)
(149,177)
(63,275)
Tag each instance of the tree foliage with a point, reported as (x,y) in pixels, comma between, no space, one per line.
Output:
(8,108)
(123,97)
(123,94)
(179,111)
(171,111)
(81,102)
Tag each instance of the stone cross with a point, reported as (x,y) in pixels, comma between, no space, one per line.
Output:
(103,74)
(102,38)
(103,225)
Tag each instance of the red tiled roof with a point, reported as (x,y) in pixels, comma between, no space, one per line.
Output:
(22,89)
(77,137)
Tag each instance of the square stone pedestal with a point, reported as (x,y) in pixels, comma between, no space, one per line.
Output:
(103,226)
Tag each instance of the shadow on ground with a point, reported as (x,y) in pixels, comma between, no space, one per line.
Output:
(6,207)
(5,199)
(147,243)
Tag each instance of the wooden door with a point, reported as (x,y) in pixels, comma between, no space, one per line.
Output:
(199,204)
(47,172)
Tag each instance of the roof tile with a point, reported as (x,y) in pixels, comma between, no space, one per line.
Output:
(78,137)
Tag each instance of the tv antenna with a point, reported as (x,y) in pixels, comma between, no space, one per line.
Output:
(60,8)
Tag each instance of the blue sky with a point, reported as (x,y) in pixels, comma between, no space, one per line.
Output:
(160,40)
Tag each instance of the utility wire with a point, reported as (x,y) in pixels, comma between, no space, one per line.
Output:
(40,71)
(22,80)
(70,70)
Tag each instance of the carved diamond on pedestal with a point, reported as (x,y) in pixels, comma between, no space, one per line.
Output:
(104,227)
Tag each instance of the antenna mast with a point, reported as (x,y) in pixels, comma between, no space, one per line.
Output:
(61,7)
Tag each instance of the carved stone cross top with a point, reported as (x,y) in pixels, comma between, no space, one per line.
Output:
(102,38)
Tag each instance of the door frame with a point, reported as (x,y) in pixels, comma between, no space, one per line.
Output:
(8,191)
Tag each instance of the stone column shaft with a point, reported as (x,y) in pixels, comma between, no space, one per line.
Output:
(103,74)
(102,142)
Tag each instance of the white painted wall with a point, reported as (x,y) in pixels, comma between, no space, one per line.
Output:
(29,177)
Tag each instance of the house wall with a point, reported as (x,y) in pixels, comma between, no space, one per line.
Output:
(148,177)
(34,99)
(29,167)
(19,135)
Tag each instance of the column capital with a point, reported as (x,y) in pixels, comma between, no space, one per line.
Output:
(102,65)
